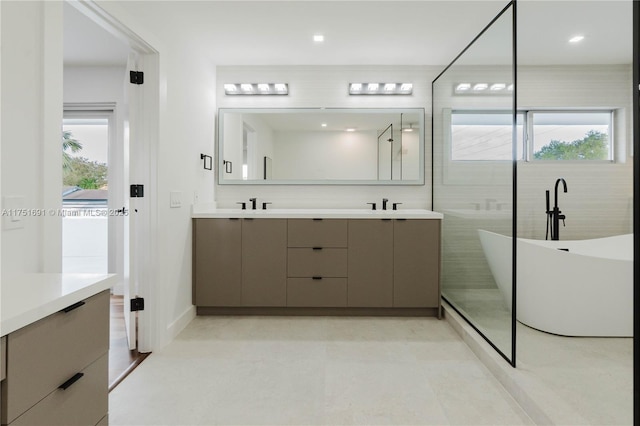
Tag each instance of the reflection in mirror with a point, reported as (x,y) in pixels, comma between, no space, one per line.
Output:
(322,146)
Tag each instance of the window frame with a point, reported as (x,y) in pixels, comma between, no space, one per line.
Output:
(530,134)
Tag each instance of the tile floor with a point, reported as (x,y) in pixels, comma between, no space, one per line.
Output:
(314,370)
(573,380)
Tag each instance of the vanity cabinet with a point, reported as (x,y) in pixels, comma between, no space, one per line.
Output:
(317,263)
(57,367)
(239,262)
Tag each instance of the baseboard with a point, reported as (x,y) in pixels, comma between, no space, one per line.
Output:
(180,323)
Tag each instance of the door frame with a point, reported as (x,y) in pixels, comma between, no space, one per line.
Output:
(149,326)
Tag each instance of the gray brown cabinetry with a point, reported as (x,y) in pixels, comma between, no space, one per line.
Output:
(416,263)
(370,263)
(264,259)
(57,368)
(217,258)
(240,262)
(317,263)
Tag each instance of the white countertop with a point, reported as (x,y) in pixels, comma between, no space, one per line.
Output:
(204,213)
(28,298)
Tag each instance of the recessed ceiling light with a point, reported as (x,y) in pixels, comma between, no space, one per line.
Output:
(324,124)
(281,87)
(462,87)
(576,39)
(246,87)
(318,38)
(373,87)
(480,86)
(350,129)
(388,87)
(263,87)
(497,86)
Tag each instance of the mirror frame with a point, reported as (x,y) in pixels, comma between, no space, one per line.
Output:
(220,148)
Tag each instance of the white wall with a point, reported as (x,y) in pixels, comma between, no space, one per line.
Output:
(327,86)
(31,106)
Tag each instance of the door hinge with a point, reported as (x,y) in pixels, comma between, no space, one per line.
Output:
(136,77)
(136,191)
(137,304)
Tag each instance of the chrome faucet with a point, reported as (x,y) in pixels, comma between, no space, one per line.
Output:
(253,203)
(554,216)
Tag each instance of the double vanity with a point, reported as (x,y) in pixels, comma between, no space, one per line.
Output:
(316,261)
(54,349)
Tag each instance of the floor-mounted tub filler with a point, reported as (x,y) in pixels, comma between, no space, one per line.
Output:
(570,288)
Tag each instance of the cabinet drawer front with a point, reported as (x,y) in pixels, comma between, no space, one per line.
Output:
(43,355)
(323,293)
(317,233)
(85,402)
(326,262)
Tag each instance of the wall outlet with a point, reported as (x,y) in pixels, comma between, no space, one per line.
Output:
(175,199)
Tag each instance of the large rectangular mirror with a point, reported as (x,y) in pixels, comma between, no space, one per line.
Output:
(321,146)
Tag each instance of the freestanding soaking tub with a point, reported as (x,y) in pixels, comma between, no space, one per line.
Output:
(585,291)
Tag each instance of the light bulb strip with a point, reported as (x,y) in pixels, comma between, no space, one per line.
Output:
(482,88)
(234,89)
(380,88)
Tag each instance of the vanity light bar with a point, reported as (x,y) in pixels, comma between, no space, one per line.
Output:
(483,88)
(256,89)
(380,88)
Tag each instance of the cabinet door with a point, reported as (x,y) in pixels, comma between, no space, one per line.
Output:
(370,263)
(217,262)
(264,262)
(416,259)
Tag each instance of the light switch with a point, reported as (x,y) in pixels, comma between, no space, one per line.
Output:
(175,199)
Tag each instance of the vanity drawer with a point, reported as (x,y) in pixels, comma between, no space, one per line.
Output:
(317,293)
(317,232)
(45,354)
(84,402)
(321,262)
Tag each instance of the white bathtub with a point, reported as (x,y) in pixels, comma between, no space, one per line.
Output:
(587,291)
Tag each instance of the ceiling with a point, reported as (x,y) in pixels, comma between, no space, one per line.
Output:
(360,32)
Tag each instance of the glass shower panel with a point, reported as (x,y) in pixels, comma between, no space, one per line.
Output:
(475,144)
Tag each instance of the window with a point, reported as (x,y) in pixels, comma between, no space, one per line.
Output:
(571,135)
(543,135)
(484,135)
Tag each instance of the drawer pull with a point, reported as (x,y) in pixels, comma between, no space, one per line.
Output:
(317,218)
(317,248)
(71,381)
(72,307)
(316,278)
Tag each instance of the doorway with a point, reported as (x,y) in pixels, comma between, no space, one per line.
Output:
(96,88)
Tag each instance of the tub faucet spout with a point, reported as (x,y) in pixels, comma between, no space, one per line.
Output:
(555,215)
